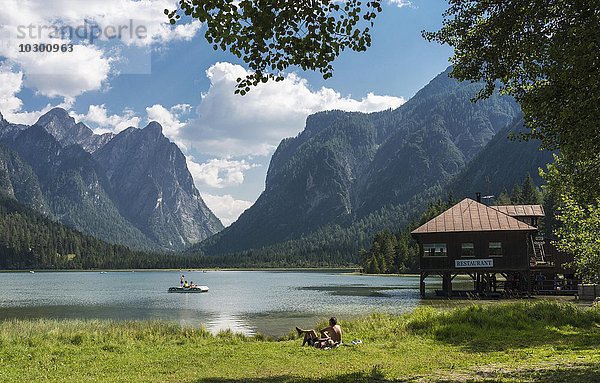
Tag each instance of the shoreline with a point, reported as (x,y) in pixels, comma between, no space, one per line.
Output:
(345,270)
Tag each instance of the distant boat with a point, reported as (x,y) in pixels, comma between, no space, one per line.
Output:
(195,289)
(31,272)
(103,272)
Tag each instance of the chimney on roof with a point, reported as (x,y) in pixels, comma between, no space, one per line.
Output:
(478,196)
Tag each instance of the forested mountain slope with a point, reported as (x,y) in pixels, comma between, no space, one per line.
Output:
(502,164)
(73,186)
(132,188)
(30,240)
(345,167)
(154,189)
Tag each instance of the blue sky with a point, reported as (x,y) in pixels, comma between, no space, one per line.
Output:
(188,87)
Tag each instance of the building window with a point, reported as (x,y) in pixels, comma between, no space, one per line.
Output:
(495,249)
(467,250)
(434,250)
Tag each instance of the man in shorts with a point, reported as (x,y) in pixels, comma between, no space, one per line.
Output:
(330,336)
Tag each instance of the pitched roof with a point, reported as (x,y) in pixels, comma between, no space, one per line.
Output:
(469,215)
(521,210)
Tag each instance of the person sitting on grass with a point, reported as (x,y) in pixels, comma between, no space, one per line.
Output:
(331,335)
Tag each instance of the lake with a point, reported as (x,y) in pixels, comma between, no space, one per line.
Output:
(270,302)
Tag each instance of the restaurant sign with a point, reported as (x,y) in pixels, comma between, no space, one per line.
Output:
(473,263)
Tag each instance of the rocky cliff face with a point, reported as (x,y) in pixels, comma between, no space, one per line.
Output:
(431,139)
(19,181)
(75,187)
(154,188)
(502,164)
(134,189)
(345,166)
(7,129)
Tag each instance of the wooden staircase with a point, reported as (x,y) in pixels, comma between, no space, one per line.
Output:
(538,257)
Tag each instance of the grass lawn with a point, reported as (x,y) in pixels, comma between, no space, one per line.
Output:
(517,342)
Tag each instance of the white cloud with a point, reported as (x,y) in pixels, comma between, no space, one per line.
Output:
(227,208)
(181,109)
(90,64)
(183,31)
(400,3)
(29,118)
(65,75)
(145,18)
(11,83)
(254,124)
(169,118)
(97,117)
(131,21)
(219,173)
(52,74)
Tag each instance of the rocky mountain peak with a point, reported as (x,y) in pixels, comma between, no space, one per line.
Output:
(6,128)
(155,189)
(57,120)
(59,124)
(321,120)
(132,188)
(128,131)
(153,128)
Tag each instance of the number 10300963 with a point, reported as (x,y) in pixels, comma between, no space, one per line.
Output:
(45,48)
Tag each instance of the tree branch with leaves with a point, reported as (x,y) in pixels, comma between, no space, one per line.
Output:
(579,218)
(546,54)
(272,36)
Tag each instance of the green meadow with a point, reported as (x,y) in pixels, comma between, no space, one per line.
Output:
(506,342)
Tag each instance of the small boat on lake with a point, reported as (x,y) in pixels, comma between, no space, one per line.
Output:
(195,289)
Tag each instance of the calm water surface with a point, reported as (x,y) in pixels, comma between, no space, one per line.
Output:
(269,302)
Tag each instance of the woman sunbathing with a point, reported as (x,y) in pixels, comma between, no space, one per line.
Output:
(331,336)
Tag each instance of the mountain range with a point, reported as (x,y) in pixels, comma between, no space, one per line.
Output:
(347,175)
(130,188)
(328,190)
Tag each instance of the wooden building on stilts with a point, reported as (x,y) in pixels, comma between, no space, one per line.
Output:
(499,247)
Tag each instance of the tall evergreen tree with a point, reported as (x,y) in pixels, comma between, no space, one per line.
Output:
(530,194)
(503,198)
(516,195)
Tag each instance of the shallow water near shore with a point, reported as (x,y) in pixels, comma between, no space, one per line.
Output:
(269,302)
